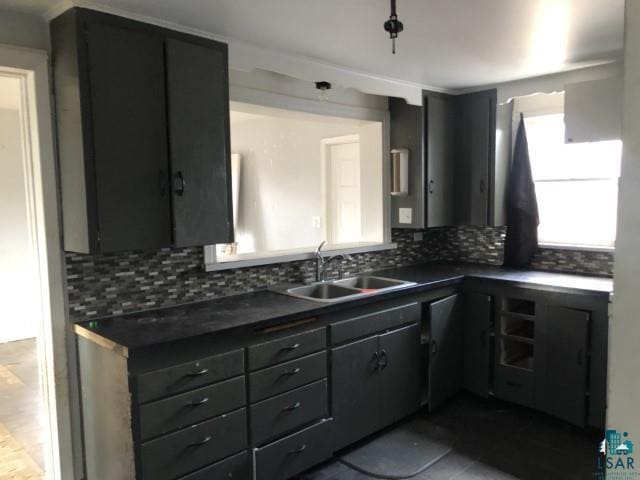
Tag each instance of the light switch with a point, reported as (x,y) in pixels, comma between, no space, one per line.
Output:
(404,215)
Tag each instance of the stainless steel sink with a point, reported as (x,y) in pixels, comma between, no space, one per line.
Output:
(347,289)
(322,292)
(371,283)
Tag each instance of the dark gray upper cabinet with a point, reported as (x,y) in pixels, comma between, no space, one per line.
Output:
(446,329)
(129,137)
(477,345)
(564,374)
(452,148)
(141,113)
(428,133)
(197,87)
(475,156)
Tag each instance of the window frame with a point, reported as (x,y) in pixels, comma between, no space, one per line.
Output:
(538,105)
(248,95)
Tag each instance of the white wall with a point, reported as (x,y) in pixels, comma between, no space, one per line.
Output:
(16,285)
(280,186)
(23,30)
(624,360)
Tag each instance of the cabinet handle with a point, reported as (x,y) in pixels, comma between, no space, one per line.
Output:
(431,186)
(202,442)
(513,384)
(162,182)
(300,449)
(434,348)
(197,403)
(580,357)
(481,186)
(288,373)
(198,373)
(375,358)
(292,407)
(291,347)
(178,184)
(384,359)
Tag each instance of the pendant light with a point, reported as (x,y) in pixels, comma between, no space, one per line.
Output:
(393,26)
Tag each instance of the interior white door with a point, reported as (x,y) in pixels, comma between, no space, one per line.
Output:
(344,222)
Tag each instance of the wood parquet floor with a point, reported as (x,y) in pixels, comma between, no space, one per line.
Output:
(21,413)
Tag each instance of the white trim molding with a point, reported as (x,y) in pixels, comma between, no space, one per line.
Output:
(31,68)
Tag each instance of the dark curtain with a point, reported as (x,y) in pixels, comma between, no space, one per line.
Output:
(522,206)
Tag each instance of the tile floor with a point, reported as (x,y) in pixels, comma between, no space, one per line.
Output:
(21,419)
(498,441)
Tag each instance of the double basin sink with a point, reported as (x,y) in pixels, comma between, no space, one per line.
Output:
(346,289)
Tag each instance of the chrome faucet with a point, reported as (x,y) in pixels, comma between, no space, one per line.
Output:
(322,264)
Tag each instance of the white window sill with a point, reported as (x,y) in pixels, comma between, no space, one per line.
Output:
(582,248)
(269,258)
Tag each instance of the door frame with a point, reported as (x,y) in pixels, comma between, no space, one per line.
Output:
(31,68)
(325,176)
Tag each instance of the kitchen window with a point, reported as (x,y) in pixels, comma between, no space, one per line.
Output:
(576,185)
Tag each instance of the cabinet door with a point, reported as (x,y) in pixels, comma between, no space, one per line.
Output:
(129,135)
(197,85)
(399,390)
(477,351)
(565,370)
(440,188)
(445,366)
(354,392)
(407,131)
(475,138)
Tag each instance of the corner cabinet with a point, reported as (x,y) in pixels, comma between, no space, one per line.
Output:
(142,117)
(452,148)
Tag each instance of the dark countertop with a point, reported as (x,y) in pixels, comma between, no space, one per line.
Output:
(266,307)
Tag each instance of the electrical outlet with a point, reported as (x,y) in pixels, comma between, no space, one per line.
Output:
(404,215)
(315,222)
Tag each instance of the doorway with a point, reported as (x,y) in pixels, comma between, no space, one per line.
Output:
(343,222)
(35,427)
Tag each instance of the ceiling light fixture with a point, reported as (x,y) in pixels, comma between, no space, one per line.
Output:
(324,87)
(393,26)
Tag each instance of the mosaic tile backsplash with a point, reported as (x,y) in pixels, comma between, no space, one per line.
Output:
(101,285)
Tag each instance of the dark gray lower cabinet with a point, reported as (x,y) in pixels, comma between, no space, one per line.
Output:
(375,382)
(446,326)
(236,467)
(564,376)
(291,455)
(477,345)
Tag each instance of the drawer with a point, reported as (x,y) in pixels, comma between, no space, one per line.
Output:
(365,325)
(232,468)
(169,414)
(515,385)
(286,348)
(194,447)
(187,376)
(288,411)
(286,376)
(293,454)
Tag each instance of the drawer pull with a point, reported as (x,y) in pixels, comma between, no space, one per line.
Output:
(300,449)
(202,442)
(292,407)
(198,373)
(288,373)
(384,360)
(375,358)
(513,384)
(290,348)
(197,403)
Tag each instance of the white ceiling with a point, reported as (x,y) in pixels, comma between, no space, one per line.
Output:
(446,43)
